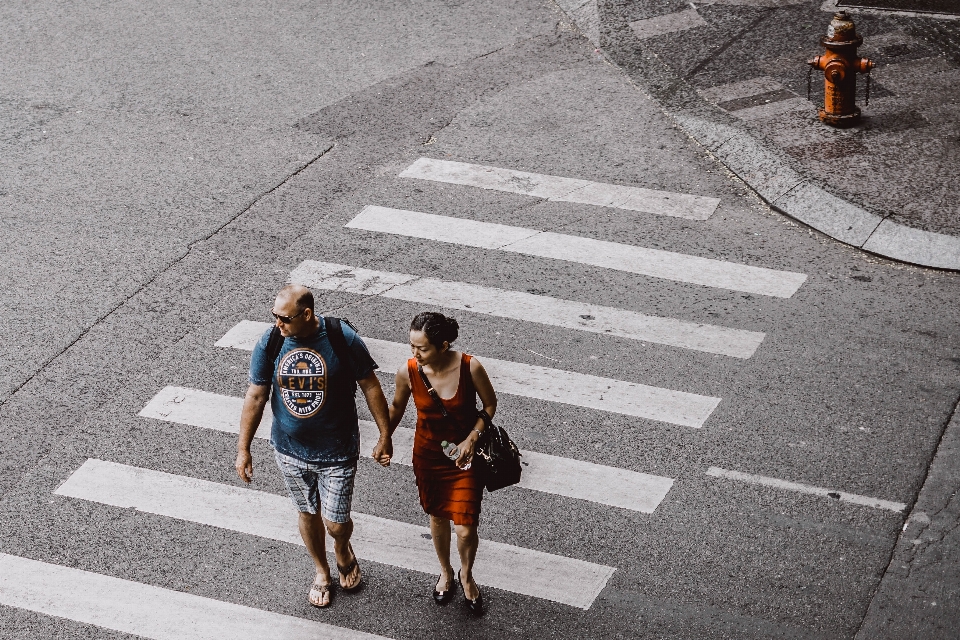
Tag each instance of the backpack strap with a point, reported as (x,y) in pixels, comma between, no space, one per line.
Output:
(339,343)
(334,333)
(274,344)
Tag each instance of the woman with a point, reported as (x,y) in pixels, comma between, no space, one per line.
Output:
(449,489)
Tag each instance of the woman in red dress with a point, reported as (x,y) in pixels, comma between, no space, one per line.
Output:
(449,489)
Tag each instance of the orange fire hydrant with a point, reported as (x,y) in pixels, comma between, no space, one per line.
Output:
(840,66)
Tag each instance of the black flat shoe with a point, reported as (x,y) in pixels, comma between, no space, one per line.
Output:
(475,606)
(443,597)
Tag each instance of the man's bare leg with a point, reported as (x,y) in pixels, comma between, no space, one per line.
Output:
(440,532)
(314,538)
(341,532)
(467,542)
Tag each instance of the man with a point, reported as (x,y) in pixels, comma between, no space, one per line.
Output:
(315,431)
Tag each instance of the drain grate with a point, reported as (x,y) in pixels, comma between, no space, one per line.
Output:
(951,7)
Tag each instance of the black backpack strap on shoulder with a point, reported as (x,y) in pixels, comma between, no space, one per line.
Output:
(339,343)
(274,344)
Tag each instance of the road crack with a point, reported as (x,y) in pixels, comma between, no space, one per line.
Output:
(172,264)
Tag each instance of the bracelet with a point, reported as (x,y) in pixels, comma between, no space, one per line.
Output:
(479,433)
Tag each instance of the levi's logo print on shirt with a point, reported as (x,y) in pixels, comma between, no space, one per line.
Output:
(302,379)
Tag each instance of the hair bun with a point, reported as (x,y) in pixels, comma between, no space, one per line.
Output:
(437,327)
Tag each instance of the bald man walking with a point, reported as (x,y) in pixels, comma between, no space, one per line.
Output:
(315,432)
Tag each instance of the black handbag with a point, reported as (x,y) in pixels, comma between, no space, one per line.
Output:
(500,456)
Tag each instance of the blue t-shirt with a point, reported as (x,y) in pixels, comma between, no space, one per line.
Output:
(314,395)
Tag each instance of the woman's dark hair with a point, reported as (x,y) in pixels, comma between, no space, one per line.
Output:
(437,327)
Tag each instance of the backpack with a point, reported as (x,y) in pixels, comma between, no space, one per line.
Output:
(334,335)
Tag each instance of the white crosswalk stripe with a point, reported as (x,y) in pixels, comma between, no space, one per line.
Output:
(664,203)
(668,23)
(542,383)
(147,611)
(502,566)
(542,472)
(656,263)
(528,307)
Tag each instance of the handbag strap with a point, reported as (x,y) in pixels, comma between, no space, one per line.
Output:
(433,392)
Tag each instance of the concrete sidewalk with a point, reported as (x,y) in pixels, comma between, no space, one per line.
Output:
(732,74)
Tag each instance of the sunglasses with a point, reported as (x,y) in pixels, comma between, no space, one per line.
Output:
(287,319)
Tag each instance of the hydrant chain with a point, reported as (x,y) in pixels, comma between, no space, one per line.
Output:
(840,66)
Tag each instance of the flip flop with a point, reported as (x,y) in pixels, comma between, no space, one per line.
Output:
(347,570)
(321,590)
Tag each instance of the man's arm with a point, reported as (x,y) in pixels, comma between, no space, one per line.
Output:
(253,404)
(377,403)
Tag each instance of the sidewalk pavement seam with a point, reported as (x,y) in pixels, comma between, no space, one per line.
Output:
(803,200)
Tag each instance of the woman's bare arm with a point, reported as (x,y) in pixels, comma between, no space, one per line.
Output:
(488,397)
(484,387)
(401,395)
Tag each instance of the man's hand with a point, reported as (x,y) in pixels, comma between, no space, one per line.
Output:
(383,451)
(377,404)
(244,465)
(250,417)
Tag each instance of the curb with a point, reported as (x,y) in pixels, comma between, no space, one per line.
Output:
(764,170)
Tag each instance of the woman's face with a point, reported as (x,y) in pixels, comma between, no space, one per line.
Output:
(422,349)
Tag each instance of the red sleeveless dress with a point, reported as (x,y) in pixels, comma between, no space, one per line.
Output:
(446,491)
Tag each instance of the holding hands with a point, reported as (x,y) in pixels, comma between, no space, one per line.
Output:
(383,451)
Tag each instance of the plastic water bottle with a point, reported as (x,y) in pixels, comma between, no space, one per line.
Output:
(452,451)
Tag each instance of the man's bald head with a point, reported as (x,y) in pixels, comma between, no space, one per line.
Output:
(298,295)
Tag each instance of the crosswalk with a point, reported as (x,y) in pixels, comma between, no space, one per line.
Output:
(543,383)
(267,515)
(655,263)
(148,611)
(520,305)
(611,486)
(559,189)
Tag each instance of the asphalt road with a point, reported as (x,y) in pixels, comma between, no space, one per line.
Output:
(164,170)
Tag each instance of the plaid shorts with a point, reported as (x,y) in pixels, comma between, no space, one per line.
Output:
(311,485)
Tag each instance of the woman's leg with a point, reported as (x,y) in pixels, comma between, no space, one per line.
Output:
(440,532)
(467,542)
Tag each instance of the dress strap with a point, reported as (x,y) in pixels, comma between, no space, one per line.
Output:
(412,372)
(466,380)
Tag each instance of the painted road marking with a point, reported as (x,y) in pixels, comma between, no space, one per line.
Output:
(755,95)
(669,23)
(553,385)
(502,566)
(529,307)
(664,203)
(771,3)
(599,253)
(203,409)
(800,487)
(147,611)
(542,472)
(740,89)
